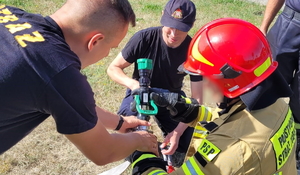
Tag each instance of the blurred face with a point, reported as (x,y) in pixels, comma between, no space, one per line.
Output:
(173,37)
(214,91)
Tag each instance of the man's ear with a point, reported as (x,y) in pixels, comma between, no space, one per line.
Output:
(95,40)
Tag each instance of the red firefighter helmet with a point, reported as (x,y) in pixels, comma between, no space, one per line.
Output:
(232,53)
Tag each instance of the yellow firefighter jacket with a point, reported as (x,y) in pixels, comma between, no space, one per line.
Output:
(260,142)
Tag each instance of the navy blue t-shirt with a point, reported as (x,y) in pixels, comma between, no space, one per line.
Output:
(39,76)
(294,4)
(149,43)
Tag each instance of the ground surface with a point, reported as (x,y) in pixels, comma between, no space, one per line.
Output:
(45,151)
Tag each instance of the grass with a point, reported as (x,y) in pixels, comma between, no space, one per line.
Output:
(45,151)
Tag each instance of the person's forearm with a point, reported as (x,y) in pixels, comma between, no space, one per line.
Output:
(108,119)
(181,127)
(117,75)
(123,145)
(102,148)
(118,147)
(272,9)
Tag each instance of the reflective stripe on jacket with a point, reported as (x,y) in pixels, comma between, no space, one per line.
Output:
(260,142)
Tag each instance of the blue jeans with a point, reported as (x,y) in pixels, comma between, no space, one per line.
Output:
(165,123)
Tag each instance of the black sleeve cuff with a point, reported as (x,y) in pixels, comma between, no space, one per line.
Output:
(128,58)
(196,78)
(189,115)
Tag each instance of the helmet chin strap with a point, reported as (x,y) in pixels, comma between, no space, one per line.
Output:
(226,102)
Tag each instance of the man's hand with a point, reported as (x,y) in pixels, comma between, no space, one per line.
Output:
(147,142)
(264,31)
(172,139)
(132,122)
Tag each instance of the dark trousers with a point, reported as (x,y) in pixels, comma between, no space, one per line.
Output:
(284,39)
(163,119)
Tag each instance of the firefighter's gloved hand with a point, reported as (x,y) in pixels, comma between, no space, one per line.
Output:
(142,161)
(182,109)
(167,100)
(139,91)
(133,106)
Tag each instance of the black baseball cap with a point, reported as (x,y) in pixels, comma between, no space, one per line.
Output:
(179,14)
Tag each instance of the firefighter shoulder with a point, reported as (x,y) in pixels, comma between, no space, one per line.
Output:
(259,142)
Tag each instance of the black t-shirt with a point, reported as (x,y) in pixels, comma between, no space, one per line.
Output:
(39,76)
(149,43)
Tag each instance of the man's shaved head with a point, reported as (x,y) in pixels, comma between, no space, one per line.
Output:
(103,15)
(93,27)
